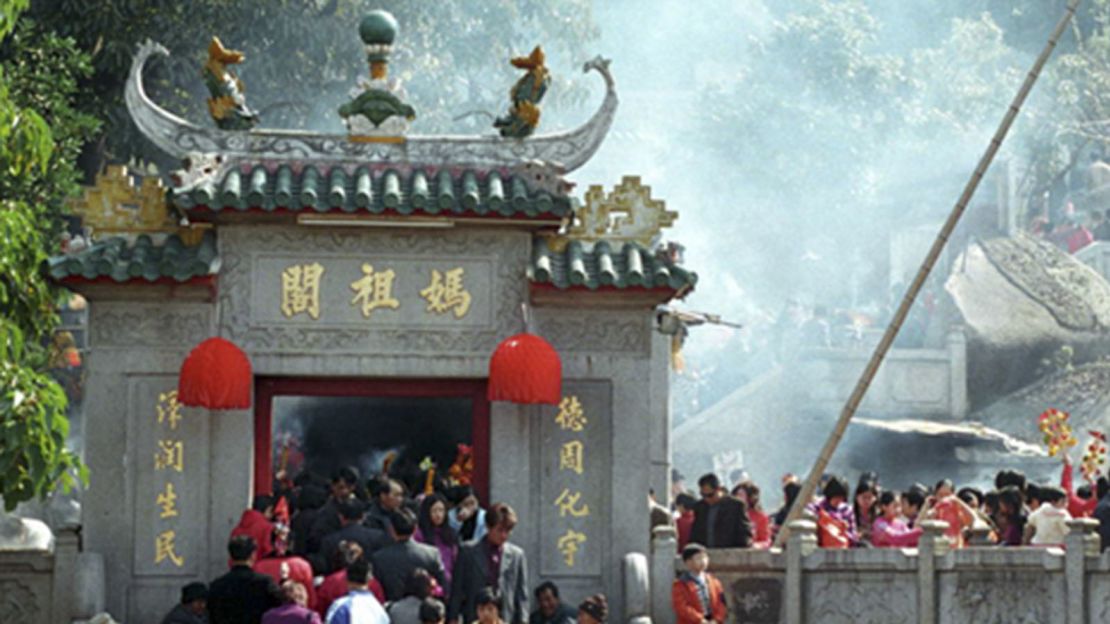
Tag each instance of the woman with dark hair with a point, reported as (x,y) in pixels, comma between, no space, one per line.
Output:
(953,510)
(834,504)
(1011,516)
(890,529)
(863,505)
(790,491)
(761,522)
(434,530)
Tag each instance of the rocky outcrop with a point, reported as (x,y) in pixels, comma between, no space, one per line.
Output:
(1022,299)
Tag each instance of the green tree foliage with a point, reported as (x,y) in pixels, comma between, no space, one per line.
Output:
(40,133)
(303,56)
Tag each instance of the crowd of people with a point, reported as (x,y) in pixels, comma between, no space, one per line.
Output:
(1072,232)
(340,553)
(1016,512)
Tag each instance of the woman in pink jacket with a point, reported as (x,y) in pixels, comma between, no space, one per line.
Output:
(890,529)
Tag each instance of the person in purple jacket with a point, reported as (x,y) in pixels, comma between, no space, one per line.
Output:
(295,610)
(434,530)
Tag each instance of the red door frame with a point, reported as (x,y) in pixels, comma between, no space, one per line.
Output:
(266,388)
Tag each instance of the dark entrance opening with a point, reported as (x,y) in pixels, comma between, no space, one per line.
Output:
(323,424)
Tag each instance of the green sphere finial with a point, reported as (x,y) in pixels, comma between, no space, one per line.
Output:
(378,28)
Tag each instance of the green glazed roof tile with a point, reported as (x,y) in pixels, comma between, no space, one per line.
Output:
(605,265)
(114,258)
(322,188)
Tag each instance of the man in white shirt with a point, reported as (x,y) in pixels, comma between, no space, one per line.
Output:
(1048,524)
(359,606)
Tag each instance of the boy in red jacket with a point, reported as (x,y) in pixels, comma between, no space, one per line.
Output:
(697,595)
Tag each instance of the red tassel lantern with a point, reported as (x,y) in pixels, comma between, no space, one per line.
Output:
(216,375)
(525,369)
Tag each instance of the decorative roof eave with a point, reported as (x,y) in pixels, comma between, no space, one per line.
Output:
(338,190)
(167,267)
(177,137)
(605,272)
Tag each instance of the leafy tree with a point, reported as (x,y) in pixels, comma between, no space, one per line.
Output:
(303,56)
(37,82)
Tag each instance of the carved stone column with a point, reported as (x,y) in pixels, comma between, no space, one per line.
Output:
(802,542)
(1082,542)
(664,548)
(932,544)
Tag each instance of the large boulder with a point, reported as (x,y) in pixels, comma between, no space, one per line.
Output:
(1023,299)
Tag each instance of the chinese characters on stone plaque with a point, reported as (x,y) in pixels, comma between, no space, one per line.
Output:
(169,457)
(571,418)
(445,291)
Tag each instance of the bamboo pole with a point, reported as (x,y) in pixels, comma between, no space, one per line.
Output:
(810,485)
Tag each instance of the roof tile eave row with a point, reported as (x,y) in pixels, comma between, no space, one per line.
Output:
(335,190)
(120,262)
(633,266)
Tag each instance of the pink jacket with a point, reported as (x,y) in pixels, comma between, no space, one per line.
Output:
(893,533)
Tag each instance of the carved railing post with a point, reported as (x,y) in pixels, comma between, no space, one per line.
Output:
(637,588)
(802,542)
(664,549)
(1082,542)
(932,544)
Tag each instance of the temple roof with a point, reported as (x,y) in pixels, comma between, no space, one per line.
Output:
(625,267)
(145,260)
(345,189)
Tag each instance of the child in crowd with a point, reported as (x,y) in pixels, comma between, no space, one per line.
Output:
(697,596)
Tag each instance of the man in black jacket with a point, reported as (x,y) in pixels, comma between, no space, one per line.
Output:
(394,564)
(720,521)
(242,595)
(350,516)
(491,562)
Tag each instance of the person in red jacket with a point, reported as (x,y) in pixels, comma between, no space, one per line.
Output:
(335,585)
(697,595)
(1078,506)
(282,566)
(257,523)
(684,505)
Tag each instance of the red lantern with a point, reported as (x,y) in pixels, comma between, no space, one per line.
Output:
(525,369)
(216,375)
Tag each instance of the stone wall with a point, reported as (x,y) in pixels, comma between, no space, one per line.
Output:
(911,382)
(931,584)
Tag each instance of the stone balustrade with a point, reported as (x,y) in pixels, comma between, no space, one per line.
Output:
(931,584)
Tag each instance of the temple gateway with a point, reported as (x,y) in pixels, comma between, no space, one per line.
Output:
(368,278)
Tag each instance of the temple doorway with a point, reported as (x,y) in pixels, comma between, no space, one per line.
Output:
(323,424)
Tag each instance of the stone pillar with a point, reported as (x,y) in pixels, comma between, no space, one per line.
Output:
(664,549)
(801,542)
(932,544)
(65,564)
(637,589)
(1082,542)
(89,588)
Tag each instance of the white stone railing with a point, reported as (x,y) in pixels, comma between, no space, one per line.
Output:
(931,584)
(910,383)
